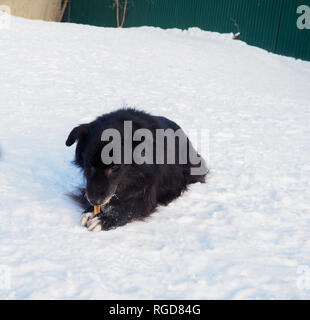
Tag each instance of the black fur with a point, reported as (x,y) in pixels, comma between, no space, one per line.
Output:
(137,189)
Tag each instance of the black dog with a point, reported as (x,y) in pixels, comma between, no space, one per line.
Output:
(129,191)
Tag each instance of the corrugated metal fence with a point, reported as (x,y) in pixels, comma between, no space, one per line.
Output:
(270,24)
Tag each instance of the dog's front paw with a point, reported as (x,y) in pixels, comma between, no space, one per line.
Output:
(86,217)
(91,222)
(94,224)
(99,223)
(102,221)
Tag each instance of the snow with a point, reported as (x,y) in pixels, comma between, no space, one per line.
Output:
(245,234)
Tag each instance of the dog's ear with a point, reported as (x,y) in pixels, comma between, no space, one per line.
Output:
(77,133)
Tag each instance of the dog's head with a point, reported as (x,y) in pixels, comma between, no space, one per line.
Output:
(102,180)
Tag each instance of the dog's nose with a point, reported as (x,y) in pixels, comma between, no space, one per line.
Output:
(92,200)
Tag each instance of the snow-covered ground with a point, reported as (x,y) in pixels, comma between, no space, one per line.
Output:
(244,234)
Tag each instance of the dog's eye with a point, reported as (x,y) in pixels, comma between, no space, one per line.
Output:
(115,168)
(90,170)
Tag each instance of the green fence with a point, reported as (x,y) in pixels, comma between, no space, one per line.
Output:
(270,24)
